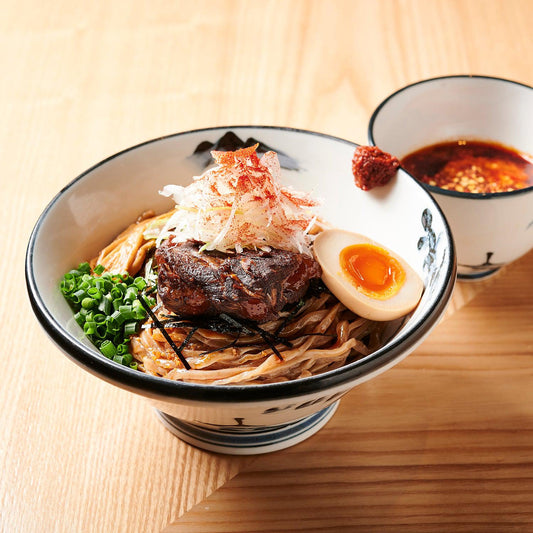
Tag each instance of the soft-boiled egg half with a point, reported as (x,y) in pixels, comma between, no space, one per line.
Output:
(366,277)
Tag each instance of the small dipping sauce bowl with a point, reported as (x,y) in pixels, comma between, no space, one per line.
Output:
(490,229)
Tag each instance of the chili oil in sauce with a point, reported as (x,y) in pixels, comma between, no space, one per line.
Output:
(471,166)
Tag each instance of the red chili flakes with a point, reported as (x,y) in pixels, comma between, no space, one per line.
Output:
(480,175)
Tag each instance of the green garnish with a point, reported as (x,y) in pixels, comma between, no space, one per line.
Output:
(107,308)
(99,269)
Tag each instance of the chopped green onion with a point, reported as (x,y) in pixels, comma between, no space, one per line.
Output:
(117,302)
(126,312)
(130,328)
(122,287)
(131,294)
(140,283)
(101,331)
(107,284)
(85,268)
(107,307)
(139,313)
(88,303)
(99,318)
(89,328)
(112,324)
(118,338)
(118,316)
(79,318)
(122,349)
(115,293)
(78,296)
(68,285)
(108,349)
(95,293)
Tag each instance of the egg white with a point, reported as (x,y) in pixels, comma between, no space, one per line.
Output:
(327,247)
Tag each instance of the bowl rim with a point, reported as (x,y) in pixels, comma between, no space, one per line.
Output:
(432,188)
(165,389)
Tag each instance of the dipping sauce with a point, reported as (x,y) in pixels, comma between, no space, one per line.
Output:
(471,166)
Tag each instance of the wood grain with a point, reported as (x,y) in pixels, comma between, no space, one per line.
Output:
(83,80)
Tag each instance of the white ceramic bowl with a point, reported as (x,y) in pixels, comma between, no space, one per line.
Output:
(94,207)
(490,230)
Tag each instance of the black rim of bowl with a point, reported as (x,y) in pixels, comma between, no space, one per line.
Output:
(165,389)
(432,188)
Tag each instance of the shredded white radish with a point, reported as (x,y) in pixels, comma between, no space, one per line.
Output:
(239,204)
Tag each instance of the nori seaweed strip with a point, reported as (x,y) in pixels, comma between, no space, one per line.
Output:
(271,337)
(213,324)
(227,324)
(316,288)
(187,339)
(161,328)
(267,337)
(271,344)
(252,327)
(220,348)
(289,317)
(239,326)
(178,324)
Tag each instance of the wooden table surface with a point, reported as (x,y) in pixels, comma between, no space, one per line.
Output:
(442,442)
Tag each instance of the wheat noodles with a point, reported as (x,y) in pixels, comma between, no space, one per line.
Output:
(322,336)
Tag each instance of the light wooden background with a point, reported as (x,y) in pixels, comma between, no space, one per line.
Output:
(442,442)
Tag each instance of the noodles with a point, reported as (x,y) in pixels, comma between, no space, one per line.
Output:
(322,336)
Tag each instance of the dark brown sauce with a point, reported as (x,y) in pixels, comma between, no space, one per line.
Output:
(471,166)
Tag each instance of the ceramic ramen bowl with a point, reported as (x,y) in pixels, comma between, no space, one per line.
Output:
(98,204)
(490,230)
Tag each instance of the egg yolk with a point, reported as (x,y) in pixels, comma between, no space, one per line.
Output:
(372,270)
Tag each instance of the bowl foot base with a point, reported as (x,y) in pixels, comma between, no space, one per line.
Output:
(225,439)
(477,276)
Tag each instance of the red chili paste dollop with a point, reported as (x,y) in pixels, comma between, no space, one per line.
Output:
(371,167)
